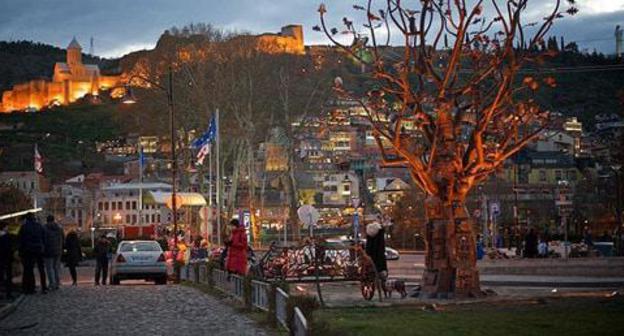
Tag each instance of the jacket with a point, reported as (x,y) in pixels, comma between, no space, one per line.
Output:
(6,248)
(102,247)
(237,252)
(376,249)
(53,242)
(74,251)
(31,237)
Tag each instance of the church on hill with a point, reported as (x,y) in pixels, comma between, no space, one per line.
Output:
(71,81)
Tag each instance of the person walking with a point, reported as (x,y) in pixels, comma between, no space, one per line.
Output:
(102,247)
(6,259)
(376,248)
(530,244)
(237,249)
(73,255)
(53,249)
(31,248)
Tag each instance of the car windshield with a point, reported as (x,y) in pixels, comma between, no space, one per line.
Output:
(140,247)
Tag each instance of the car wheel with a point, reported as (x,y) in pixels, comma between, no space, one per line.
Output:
(114,280)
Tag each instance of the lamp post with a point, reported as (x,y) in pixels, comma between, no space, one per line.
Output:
(129,99)
(618,206)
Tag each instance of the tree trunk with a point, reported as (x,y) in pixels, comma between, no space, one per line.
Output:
(451,261)
(293,199)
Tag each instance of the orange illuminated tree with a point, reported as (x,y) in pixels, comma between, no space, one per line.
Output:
(450,104)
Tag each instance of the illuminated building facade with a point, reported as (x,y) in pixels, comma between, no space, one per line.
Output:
(71,81)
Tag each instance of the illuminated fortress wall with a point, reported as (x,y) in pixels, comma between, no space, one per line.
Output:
(289,40)
(72,80)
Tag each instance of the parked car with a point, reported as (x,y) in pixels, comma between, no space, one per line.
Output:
(139,259)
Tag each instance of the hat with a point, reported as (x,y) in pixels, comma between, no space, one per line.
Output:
(372,229)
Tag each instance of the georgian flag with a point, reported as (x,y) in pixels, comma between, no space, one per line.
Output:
(38,161)
(203,152)
(207,137)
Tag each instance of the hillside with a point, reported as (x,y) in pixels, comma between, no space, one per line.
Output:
(66,137)
(25,60)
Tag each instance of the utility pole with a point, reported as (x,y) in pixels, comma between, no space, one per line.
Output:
(218,182)
(619,41)
(516,230)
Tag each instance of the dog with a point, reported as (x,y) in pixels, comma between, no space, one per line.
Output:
(391,285)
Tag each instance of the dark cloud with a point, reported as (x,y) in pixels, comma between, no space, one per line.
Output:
(119,26)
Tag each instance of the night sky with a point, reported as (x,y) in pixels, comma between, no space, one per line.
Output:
(121,26)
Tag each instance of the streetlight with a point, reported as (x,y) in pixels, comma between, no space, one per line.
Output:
(130,99)
(618,207)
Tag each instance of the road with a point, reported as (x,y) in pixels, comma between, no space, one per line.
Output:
(404,267)
(134,308)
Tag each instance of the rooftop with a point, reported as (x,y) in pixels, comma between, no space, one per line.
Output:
(137,186)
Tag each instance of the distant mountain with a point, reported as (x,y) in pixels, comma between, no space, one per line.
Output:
(22,61)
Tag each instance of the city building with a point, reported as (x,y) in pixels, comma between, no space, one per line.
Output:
(30,183)
(387,190)
(340,188)
(119,206)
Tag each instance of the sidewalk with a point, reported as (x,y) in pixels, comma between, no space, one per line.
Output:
(512,280)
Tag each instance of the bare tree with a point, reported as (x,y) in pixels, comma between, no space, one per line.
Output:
(456,79)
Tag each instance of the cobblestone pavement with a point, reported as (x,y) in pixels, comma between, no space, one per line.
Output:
(126,310)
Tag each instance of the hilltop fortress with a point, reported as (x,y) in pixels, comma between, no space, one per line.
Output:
(71,81)
(289,40)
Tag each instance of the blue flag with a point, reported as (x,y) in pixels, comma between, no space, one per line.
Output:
(207,137)
(141,158)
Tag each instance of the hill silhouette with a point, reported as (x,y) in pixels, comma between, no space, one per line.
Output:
(581,91)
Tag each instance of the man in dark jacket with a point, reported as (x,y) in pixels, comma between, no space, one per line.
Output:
(376,247)
(6,259)
(31,247)
(53,248)
(530,244)
(74,255)
(102,247)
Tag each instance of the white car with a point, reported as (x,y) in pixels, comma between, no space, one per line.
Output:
(139,259)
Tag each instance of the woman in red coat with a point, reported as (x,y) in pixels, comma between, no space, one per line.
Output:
(237,250)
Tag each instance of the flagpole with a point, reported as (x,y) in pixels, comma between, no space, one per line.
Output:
(209,222)
(38,165)
(140,185)
(218,182)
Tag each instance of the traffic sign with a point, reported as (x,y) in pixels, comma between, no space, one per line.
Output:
(494,208)
(308,215)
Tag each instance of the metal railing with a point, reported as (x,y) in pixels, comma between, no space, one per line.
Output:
(281,307)
(260,292)
(203,274)
(220,280)
(238,286)
(300,324)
